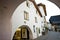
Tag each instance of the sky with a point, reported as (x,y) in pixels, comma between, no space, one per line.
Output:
(51,8)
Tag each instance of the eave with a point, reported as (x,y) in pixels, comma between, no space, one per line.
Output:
(44,7)
(36,7)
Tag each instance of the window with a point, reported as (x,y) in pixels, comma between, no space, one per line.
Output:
(35,19)
(34,28)
(25,22)
(39,30)
(26,15)
(27,3)
(24,33)
(36,11)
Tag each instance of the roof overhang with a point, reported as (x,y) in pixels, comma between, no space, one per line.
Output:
(55,20)
(44,7)
(57,2)
(33,1)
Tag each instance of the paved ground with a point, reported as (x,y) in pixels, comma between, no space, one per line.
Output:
(50,36)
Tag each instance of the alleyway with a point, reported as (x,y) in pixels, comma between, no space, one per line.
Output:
(50,36)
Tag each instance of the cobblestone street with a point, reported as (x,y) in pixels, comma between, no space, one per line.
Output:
(50,36)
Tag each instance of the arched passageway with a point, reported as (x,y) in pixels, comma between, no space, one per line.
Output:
(23,33)
(7,7)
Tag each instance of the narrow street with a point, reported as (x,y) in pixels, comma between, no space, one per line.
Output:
(50,36)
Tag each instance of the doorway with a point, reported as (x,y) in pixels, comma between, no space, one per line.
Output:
(22,33)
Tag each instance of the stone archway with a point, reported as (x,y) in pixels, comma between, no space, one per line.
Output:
(7,7)
(18,35)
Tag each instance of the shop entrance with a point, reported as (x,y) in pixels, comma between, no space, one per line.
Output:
(22,33)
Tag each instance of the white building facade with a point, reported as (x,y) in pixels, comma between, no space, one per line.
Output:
(27,15)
